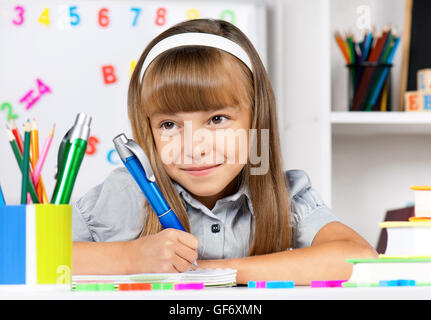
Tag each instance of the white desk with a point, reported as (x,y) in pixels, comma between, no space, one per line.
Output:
(236,293)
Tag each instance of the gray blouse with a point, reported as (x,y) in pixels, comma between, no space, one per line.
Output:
(112,211)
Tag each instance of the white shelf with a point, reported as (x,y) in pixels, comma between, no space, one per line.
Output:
(373,123)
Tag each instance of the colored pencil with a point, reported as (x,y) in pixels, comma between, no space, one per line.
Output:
(350,43)
(34,147)
(25,162)
(18,138)
(367,45)
(342,46)
(2,201)
(384,102)
(368,38)
(18,157)
(34,156)
(385,51)
(368,73)
(17,135)
(369,61)
(385,72)
(44,153)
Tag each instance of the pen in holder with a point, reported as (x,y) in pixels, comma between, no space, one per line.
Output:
(36,246)
(369,86)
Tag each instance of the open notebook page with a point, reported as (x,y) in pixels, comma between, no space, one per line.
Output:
(210,277)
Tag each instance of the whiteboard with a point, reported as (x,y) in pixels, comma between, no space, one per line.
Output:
(59,58)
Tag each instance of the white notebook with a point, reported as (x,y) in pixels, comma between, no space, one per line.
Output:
(210,277)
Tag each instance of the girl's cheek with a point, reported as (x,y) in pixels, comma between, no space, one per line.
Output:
(234,150)
(220,153)
(170,150)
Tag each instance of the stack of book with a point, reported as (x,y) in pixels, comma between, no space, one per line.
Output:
(407,258)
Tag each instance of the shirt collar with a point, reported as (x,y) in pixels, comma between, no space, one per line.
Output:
(242,190)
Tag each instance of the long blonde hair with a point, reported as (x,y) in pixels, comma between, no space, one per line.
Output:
(196,78)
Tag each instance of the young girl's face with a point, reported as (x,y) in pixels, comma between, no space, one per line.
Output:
(203,150)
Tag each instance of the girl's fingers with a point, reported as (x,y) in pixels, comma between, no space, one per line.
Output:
(188,240)
(181,265)
(186,253)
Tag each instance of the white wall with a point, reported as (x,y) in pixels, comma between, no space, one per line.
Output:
(365,187)
(298,56)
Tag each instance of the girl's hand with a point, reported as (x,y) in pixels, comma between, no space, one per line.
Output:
(168,251)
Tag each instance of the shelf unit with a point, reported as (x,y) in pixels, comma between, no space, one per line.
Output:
(372,123)
(361,163)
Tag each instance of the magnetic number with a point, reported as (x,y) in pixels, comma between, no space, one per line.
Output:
(10,114)
(137,12)
(44,17)
(20,13)
(103,17)
(192,14)
(161,16)
(228,15)
(74,17)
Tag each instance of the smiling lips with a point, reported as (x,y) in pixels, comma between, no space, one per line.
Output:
(201,171)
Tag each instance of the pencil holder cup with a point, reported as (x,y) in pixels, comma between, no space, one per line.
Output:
(36,246)
(369,86)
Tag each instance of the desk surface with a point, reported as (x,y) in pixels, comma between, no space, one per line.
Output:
(235,293)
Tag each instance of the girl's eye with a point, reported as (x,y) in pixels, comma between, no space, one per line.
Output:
(168,125)
(218,119)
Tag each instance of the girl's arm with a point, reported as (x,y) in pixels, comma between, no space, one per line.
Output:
(99,257)
(168,251)
(325,259)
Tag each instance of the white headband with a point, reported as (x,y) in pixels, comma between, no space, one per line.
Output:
(196,39)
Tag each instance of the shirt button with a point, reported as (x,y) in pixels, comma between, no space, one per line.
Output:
(215,228)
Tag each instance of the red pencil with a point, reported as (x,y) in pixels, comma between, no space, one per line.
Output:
(17,135)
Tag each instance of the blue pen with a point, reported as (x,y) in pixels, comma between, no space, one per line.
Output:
(139,166)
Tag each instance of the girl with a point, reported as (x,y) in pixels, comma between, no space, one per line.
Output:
(195,81)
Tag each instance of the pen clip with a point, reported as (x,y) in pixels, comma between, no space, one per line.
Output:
(142,157)
(61,151)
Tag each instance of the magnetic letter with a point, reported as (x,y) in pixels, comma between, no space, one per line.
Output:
(109,74)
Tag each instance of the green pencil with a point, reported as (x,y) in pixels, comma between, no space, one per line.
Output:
(18,158)
(25,162)
(349,41)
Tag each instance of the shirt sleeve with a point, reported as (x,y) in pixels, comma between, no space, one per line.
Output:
(310,213)
(111,211)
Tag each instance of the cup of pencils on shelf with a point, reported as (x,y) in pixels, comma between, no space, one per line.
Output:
(369,64)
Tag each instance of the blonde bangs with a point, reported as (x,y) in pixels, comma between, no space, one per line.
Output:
(188,79)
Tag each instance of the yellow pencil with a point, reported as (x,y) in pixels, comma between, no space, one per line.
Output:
(34,157)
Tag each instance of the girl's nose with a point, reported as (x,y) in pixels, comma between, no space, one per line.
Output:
(198,145)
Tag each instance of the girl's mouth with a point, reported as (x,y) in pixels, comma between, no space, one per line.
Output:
(201,171)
